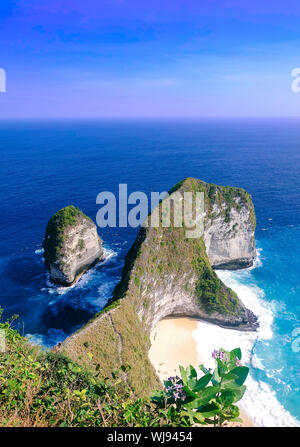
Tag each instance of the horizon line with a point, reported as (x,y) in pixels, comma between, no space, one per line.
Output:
(162,117)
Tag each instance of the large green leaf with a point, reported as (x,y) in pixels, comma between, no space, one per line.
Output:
(232,385)
(202,382)
(203,369)
(221,368)
(183,374)
(194,416)
(227,397)
(157,397)
(242,373)
(171,413)
(209,410)
(189,392)
(191,372)
(203,397)
(192,376)
(239,393)
(192,383)
(229,377)
(167,383)
(216,379)
(235,353)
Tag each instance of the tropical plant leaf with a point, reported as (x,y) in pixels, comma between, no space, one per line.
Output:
(209,410)
(202,382)
(242,373)
(183,374)
(203,397)
(203,369)
(216,379)
(239,393)
(229,377)
(235,353)
(227,397)
(221,368)
(191,372)
(189,392)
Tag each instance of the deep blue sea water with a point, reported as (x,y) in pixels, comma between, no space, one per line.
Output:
(47,165)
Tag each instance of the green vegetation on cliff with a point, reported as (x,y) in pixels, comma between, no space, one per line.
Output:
(227,197)
(213,295)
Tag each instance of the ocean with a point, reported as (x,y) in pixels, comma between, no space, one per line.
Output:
(46,165)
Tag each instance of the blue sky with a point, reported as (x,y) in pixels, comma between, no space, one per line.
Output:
(115,58)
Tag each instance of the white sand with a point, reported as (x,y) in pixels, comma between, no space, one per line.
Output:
(173,344)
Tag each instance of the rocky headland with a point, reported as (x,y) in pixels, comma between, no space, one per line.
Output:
(166,274)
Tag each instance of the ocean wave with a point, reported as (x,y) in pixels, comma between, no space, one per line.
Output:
(259,401)
(104,292)
(108,255)
(257,261)
(261,405)
(51,338)
(257,363)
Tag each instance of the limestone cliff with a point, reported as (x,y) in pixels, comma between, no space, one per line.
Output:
(229,227)
(167,274)
(71,245)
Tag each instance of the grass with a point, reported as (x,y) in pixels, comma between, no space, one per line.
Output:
(116,337)
(45,388)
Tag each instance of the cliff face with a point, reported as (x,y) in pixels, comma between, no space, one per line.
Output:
(171,275)
(229,229)
(71,245)
(167,274)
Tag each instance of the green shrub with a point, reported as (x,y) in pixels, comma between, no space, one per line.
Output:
(206,400)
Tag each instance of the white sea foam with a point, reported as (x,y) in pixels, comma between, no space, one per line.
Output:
(257,261)
(104,293)
(108,254)
(39,251)
(259,401)
(51,338)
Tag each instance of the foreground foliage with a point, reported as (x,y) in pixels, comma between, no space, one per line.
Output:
(40,388)
(208,399)
(46,388)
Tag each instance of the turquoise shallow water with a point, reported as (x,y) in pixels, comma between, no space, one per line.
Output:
(47,165)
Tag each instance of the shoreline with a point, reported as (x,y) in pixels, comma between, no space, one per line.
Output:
(173,344)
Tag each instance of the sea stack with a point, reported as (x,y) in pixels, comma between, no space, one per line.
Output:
(71,245)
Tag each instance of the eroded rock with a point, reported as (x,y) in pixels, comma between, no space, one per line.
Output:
(71,245)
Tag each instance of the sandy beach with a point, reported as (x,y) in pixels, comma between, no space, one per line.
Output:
(173,344)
